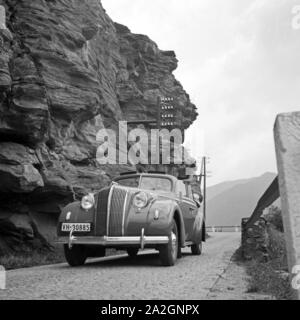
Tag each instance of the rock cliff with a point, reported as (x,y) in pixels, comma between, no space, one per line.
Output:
(66,71)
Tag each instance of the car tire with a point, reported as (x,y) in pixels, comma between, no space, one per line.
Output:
(132,252)
(75,256)
(168,252)
(196,249)
(179,253)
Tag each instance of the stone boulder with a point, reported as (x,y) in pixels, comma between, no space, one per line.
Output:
(18,172)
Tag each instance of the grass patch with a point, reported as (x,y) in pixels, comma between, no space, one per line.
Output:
(267,279)
(31,259)
(40,257)
(271,277)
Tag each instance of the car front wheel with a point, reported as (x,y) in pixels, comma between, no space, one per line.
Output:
(168,252)
(75,256)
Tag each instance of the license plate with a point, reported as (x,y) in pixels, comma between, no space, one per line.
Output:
(78,227)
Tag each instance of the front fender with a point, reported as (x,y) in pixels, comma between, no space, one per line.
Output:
(76,215)
(197,236)
(168,210)
(177,215)
(74,208)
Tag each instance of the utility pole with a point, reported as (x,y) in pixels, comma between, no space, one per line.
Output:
(204,187)
(202,178)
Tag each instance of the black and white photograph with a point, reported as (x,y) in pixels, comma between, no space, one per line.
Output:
(149,151)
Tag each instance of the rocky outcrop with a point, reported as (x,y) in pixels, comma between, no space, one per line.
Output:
(66,71)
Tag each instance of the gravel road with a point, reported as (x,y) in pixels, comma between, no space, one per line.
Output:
(120,277)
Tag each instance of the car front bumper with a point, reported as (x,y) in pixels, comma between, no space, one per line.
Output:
(140,241)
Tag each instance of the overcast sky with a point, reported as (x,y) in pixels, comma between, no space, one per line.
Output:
(240,62)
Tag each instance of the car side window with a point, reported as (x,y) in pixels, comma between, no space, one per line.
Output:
(181,188)
(189,191)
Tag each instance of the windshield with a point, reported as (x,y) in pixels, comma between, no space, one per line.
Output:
(129,182)
(153,183)
(147,183)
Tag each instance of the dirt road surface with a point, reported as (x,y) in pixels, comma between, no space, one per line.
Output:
(120,277)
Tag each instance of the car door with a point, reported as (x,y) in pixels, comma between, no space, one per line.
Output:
(188,208)
(193,209)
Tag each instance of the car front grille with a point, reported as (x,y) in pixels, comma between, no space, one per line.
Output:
(117,211)
(101,214)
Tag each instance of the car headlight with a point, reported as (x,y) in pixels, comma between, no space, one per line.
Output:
(87,202)
(140,200)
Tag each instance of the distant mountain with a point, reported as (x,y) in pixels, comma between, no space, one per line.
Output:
(230,201)
(221,187)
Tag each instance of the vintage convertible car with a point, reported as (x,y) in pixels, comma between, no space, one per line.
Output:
(137,211)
